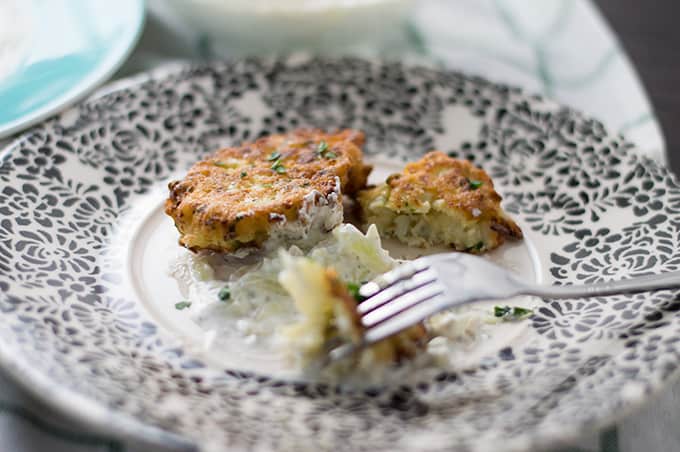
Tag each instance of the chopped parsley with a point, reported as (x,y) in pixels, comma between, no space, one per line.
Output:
(475,184)
(323,152)
(224,294)
(511,313)
(353,289)
(278,167)
(182,305)
(243,174)
(276,155)
(476,247)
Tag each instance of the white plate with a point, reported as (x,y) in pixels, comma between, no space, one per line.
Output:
(88,321)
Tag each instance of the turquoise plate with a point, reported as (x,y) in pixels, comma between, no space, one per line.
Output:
(53,52)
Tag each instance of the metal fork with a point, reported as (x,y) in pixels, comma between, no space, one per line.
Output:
(425,286)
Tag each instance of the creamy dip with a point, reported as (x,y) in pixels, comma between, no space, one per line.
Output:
(257,309)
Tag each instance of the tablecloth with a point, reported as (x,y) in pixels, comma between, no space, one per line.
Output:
(560,48)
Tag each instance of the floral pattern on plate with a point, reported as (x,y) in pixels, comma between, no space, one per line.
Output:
(594,209)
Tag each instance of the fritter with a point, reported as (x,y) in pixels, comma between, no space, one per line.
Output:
(281,189)
(439,200)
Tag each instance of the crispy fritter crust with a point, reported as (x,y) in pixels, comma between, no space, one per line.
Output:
(439,185)
(232,199)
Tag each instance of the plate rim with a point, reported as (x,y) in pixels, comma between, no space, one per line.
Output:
(84,410)
(90,413)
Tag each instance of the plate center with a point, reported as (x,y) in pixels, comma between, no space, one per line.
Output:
(153,250)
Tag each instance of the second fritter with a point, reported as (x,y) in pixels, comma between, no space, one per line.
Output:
(279,189)
(439,200)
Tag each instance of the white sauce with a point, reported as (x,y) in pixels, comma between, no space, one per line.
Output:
(318,216)
(259,308)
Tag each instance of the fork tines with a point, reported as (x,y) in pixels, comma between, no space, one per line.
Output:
(385,280)
(395,298)
(395,301)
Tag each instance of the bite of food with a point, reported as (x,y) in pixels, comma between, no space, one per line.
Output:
(329,314)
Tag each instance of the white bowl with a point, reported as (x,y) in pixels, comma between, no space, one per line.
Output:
(238,27)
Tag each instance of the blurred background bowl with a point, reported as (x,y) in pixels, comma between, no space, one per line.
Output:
(256,27)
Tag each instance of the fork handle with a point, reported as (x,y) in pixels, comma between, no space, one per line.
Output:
(668,280)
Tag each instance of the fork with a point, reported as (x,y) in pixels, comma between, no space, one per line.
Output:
(415,290)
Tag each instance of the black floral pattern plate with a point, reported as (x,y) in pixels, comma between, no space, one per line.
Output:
(75,329)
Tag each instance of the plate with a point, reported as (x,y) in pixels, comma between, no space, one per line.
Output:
(40,75)
(87,329)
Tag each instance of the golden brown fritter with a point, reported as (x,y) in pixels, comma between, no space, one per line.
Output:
(290,184)
(440,200)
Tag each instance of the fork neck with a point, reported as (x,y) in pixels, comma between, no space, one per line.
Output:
(637,284)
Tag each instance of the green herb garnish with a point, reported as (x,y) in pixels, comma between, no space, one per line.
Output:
(323,147)
(182,305)
(511,313)
(475,184)
(243,174)
(224,294)
(278,167)
(276,155)
(353,290)
(476,247)
(322,150)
